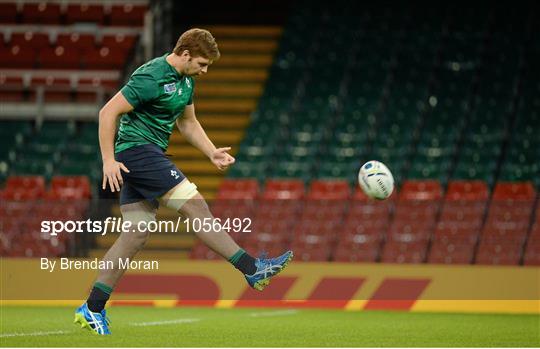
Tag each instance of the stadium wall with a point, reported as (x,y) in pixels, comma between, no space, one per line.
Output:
(355,287)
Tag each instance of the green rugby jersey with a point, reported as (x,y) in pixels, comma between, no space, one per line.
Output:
(158,94)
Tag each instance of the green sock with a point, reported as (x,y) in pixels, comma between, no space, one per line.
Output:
(243,262)
(98,297)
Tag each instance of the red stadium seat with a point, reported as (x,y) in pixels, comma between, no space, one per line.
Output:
(504,254)
(18,57)
(73,187)
(271,242)
(313,248)
(127,15)
(505,230)
(278,208)
(324,211)
(8,12)
(60,57)
(238,188)
(99,82)
(366,223)
(105,58)
(402,252)
(222,208)
(12,96)
(358,248)
(30,39)
(328,196)
(451,252)
(58,96)
(326,230)
(41,13)
(414,222)
(421,190)
(50,80)
(122,41)
(60,93)
(76,41)
(11,80)
(467,191)
(85,13)
(329,190)
(22,194)
(29,183)
(514,191)
(284,189)
(355,255)
(532,251)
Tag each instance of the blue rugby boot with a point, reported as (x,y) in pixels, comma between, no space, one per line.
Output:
(95,322)
(266,269)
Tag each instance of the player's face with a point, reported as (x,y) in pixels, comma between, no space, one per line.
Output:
(197,66)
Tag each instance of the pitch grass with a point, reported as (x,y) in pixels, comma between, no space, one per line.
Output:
(207,327)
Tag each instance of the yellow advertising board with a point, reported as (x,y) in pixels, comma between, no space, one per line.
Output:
(350,286)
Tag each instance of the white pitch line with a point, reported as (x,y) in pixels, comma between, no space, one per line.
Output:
(165,322)
(40,333)
(274,313)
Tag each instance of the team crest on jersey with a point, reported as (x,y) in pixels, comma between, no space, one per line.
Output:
(169,88)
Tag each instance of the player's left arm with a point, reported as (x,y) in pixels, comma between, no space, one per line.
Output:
(194,133)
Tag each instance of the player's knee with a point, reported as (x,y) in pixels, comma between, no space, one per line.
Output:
(181,194)
(139,239)
(138,233)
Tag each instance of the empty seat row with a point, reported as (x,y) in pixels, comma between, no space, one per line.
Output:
(78,41)
(417,225)
(61,57)
(119,14)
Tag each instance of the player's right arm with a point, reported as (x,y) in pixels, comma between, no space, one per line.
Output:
(108,115)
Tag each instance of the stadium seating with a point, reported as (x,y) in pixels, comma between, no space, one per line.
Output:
(450,103)
(126,14)
(364,229)
(459,224)
(505,230)
(60,54)
(532,251)
(26,202)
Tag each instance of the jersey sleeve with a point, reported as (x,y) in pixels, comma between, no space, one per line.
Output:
(140,88)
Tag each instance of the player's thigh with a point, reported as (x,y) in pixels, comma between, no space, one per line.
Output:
(185,198)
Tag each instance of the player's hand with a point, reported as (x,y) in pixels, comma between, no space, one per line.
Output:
(112,174)
(222,159)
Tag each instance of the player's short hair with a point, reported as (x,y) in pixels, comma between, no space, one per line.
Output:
(199,43)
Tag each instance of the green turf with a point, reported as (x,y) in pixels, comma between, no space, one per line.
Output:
(269,327)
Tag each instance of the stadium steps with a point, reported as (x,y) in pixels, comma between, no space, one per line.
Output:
(218,136)
(223,121)
(226,97)
(246,32)
(216,103)
(228,74)
(249,89)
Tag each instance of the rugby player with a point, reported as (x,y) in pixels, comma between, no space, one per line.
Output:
(158,95)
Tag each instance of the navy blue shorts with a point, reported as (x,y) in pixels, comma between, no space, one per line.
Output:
(151,174)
